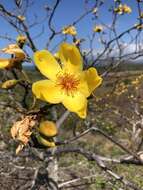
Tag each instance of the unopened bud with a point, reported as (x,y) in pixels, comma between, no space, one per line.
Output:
(21,18)
(48,128)
(45,142)
(9,84)
(21,39)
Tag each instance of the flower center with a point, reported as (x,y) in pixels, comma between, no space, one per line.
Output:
(68,82)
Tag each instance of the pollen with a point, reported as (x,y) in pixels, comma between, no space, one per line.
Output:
(68,83)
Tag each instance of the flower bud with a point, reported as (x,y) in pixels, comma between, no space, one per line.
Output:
(21,18)
(48,128)
(21,39)
(71,30)
(98,29)
(45,142)
(9,84)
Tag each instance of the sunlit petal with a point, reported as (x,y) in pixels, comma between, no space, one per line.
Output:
(46,90)
(70,57)
(92,78)
(47,64)
(76,103)
(83,85)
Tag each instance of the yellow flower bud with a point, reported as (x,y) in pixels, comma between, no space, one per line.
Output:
(139,26)
(127,9)
(45,141)
(98,29)
(95,10)
(71,30)
(123,9)
(119,9)
(48,128)
(9,84)
(21,39)
(21,18)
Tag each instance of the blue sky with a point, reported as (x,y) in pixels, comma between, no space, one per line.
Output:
(67,12)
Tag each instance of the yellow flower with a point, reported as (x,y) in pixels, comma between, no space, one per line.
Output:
(21,39)
(68,84)
(21,18)
(18,56)
(98,28)
(71,30)
(123,9)
(127,9)
(48,128)
(119,9)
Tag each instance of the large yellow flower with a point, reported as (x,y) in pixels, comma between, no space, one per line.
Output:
(68,83)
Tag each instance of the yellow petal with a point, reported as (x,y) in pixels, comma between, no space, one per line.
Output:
(47,64)
(92,78)
(70,57)
(46,90)
(83,85)
(4,63)
(76,103)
